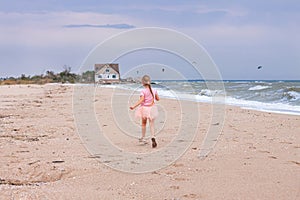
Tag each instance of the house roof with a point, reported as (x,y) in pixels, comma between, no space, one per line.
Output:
(114,66)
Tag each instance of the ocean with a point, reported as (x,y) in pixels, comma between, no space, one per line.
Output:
(269,96)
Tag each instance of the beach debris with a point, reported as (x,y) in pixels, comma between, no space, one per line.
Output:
(58,161)
(94,156)
(5,116)
(274,157)
(31,163)
(17,182)
(190,195)
(33,139)
(175,187)
(26,151)
(38,101)
(264,151)
(20,137)
(295,162)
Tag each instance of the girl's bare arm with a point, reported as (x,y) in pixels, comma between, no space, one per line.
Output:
(137,103)
(156,97)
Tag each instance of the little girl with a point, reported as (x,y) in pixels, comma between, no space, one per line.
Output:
(148,109)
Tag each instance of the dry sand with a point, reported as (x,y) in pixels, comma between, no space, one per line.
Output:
(257,155)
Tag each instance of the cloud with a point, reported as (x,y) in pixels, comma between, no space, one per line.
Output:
(115,26)
(233,12)
(45,29)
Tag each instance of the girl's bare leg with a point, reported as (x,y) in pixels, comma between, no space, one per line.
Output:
(154,144)
(144,123)
(152,130)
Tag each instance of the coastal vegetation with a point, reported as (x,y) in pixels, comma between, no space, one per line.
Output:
(65,76)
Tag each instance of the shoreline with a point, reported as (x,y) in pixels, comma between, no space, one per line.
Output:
(190,98)
(243,104)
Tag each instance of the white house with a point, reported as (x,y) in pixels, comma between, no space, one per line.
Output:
(107,73)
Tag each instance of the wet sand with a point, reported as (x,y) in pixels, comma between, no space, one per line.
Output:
(42,156)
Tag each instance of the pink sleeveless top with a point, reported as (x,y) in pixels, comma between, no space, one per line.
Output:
(148,98)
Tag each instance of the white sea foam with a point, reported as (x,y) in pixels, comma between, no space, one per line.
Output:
(246,104)
(294,96)
(254,105)
(208,96)
(210,93)
(259,87)
(261,106)
(109,86)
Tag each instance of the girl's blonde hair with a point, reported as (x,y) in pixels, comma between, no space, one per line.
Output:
(147,81)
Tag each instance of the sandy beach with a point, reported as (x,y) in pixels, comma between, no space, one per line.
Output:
(42,156)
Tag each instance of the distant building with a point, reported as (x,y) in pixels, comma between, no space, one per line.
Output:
(107,73)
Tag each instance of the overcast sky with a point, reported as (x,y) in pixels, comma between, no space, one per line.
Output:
(240,35)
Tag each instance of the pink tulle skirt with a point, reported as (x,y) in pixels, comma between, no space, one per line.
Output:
(148,112)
